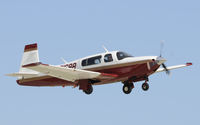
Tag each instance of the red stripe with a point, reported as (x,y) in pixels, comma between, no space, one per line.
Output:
(109,75)
(32,64)
(35,64)
(188,64)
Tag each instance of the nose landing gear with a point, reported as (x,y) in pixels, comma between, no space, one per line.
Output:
(145,86)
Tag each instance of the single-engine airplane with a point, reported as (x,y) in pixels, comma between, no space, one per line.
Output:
(99,69)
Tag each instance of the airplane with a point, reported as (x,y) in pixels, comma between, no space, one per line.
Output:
(99,69)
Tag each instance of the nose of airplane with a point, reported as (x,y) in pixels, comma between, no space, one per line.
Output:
(160,60)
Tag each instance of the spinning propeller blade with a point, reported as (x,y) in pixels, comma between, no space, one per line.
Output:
(161,50)
(167,71)
(161,47)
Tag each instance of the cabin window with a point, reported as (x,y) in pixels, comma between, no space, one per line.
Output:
(122,55)
(94,60)
(84,62)
(108,58)
(91,61)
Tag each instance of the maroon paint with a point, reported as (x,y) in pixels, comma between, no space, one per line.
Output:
(31,46)
(189,64)
(32,64)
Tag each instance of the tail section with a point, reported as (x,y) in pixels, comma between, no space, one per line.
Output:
(30,56)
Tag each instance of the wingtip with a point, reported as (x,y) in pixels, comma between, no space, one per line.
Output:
(189,64)
(7,74)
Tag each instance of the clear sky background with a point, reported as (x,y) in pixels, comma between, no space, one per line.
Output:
(78,28)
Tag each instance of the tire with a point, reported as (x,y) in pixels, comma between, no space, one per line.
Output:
(127,89)
(89,90)
(145,86)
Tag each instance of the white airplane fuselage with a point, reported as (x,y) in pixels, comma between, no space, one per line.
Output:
(125,68)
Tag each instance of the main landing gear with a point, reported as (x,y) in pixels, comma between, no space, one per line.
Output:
(89,90)
(128,86)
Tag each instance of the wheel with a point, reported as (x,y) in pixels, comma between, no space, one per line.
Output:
(89,90)
(127,88)
(145,86)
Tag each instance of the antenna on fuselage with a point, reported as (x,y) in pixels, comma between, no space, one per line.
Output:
(106,50)
(63,60)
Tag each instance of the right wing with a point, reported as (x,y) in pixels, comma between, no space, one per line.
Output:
(173,67)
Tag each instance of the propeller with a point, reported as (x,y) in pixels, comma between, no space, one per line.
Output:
(161,47)
(166,70)
(161,50)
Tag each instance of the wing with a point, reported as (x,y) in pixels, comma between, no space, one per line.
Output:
(68,74)
(174,67)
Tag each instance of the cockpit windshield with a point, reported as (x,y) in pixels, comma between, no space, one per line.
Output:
(122,55)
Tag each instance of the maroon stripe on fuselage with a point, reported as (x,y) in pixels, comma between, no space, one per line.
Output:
(130,71)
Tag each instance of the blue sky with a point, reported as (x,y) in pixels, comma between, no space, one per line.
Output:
(78,28)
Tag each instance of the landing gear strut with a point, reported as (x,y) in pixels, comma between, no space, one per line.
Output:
(127,88)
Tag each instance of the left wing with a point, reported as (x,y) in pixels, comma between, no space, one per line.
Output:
(68,74)
(173,67)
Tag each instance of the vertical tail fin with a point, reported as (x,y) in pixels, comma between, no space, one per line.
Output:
(30,56)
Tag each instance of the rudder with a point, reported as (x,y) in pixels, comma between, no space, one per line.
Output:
(30,56)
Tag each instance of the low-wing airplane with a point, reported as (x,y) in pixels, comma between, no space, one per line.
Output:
(99,69)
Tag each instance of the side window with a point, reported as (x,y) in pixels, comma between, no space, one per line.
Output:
(84,62)
(91,61)
(108,58)
(120,55)
(94,60)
